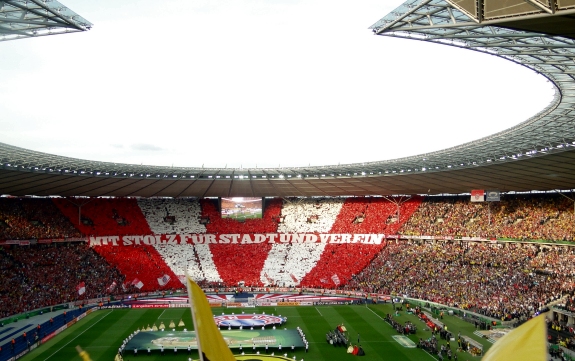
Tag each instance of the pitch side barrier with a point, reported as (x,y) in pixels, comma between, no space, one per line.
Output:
(114,299)
(293,297)
(436,308)
(38,336)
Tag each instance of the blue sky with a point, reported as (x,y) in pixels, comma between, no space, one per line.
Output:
(248,83)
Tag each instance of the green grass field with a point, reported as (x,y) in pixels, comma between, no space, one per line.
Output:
(102,332)
(242,216)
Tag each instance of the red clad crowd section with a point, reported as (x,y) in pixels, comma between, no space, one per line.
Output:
(378,215)
(241,262)
(374,215)
(139,263)
(104,216)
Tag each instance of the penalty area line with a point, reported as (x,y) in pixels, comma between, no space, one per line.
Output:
(67,343)
(318,312)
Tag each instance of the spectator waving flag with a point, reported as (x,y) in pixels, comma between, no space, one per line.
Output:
(164,280)
(81,288)
(294,278)
(112,287)
(335,279)
(137,283)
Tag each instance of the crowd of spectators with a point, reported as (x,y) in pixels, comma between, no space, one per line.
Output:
(522,217)
(503,281)
(45,275)
(196,259)
(339,262)
(237,263)
(375,214)
(104,216)
(286,263)
(38,218)
(170,216)
(240,262)
(307,215)
(139,264)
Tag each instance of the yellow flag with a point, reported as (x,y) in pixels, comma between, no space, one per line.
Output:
(211,344)
(527,342)
(83,354)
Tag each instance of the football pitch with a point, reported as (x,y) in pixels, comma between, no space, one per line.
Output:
(101,333)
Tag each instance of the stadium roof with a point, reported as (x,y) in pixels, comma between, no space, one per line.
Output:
(32,18)
(538,154)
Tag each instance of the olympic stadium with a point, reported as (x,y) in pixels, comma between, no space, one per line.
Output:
(332,227)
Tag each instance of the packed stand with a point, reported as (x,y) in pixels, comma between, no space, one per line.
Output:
(307,215)
(522,217)
(142,266)
(249,258)
(172,216)
(287,263)
(33,218)
(374,214)
(104,216)
(340,262)
(206,261)
(49,274)
(196,259)
(504,281)
(181,258)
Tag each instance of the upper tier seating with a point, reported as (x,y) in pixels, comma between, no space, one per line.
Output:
(170,216)
(36,218)
(240,262)
(104,216)
(548,217)
(303,215)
